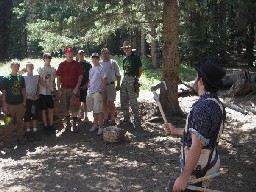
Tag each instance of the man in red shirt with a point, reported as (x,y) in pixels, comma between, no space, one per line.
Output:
(69,77)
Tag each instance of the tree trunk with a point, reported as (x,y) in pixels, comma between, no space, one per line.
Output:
(143,44)
(250,45)
(5,18)
(169,98)
(154,47)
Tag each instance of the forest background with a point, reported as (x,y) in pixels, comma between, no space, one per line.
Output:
(169,35)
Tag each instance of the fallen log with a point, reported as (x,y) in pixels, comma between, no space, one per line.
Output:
(244,110)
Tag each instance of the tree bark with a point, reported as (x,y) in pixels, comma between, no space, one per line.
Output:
(169,98)
(143,44)
(5,18)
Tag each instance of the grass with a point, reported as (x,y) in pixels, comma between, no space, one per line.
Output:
(149,76)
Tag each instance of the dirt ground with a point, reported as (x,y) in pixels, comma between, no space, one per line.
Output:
(84,162)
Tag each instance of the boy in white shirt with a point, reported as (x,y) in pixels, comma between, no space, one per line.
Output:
(94,100)
(46,89)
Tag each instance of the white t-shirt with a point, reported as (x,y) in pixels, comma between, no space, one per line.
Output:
(96,75)
(48,73)
(111,69)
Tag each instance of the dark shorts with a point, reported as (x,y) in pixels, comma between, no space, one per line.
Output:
(28,114)
(83,94)
(46,102)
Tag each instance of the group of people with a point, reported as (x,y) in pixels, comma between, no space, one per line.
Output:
(81,86)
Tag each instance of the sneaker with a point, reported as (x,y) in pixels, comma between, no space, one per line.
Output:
(125,122)
(47,130)
(30,136)
(75,128)
(112,123)
(100,131)
(86,120)
(8,145)
(94,127)
(52,129)
(22,141)
(36,136)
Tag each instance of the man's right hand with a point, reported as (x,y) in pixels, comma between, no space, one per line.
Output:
(169,128)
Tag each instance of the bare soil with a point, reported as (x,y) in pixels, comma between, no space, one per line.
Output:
(145,162)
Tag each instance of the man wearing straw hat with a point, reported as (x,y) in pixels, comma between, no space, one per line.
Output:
(204,125)
(129,91)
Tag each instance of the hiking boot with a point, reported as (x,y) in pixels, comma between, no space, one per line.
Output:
(94,128)
(30,136)
(100,131)
(137,124)
(36,136)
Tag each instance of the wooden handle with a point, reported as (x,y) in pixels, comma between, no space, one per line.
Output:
(194,188)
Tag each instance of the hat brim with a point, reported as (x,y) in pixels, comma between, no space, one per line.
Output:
(216,84)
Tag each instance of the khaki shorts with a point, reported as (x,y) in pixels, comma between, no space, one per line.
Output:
(94,102)
(67,100)
(109,94)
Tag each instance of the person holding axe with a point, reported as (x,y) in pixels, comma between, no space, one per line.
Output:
(204,125)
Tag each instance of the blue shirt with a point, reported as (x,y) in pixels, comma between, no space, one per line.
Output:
(204,120)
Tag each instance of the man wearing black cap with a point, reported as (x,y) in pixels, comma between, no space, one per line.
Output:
(204,125)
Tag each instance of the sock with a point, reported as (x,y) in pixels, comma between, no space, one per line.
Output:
(34,129)
(28,129)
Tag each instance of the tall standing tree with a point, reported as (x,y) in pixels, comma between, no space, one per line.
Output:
(5,18)
(169,98)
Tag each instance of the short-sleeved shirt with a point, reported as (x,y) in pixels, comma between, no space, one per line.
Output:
(13,86)
(31,83)
(204,120)
(111,69)
(48,74)
(86,68)
(96,75)
(69,73)
(131,65)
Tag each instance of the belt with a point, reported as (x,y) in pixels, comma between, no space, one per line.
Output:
(130,75)
(113,82)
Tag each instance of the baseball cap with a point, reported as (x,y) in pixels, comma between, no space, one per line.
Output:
(80,51)
(69,50)
(95,55)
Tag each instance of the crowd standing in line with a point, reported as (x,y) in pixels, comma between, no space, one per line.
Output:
(81,88)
